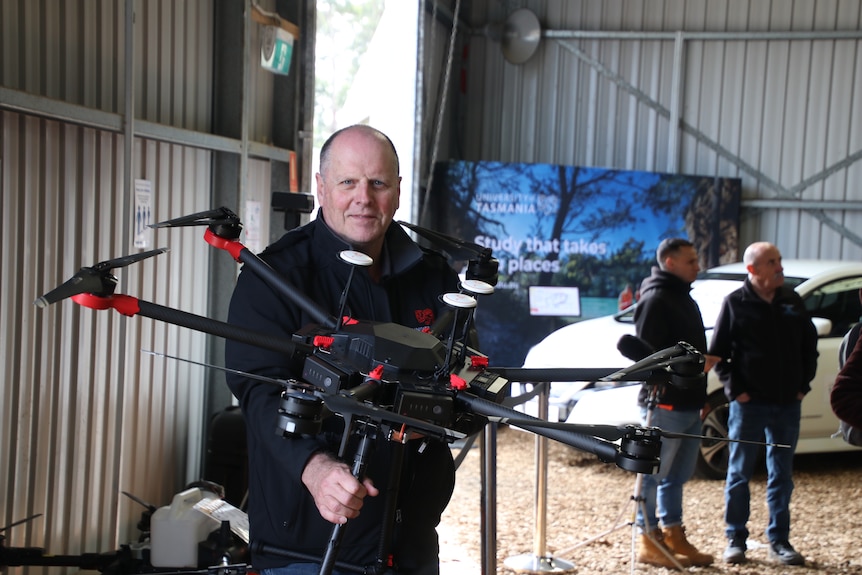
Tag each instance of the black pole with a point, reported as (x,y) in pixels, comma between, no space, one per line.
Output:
(279,284)
(222,329)
(360,462)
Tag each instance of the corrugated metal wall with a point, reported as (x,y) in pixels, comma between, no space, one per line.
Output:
(767,91)
(84,414)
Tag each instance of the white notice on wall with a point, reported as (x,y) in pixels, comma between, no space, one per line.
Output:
(143,213)
(251,225)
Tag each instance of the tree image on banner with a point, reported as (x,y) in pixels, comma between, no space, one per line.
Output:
(587,228)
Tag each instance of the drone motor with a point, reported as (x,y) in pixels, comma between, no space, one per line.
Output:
(300,411)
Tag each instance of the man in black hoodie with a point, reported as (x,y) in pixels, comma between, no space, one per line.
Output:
(665,315)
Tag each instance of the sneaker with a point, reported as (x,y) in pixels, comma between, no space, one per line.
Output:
(735,552)
(783,552)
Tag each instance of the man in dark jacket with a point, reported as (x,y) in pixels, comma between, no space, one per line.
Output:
(297,488)
(766,349)
(849,340)
(665,315)
(846,395)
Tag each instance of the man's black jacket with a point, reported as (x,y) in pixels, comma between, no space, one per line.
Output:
(768,349)
(666,315)
(281,510)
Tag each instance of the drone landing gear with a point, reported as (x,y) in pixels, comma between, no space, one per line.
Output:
(370,424)
(368,435)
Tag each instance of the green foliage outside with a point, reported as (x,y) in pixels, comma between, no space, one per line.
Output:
(344,30)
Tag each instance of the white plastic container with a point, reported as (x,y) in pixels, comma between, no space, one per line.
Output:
(176,530)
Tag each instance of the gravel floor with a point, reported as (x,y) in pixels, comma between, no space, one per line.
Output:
(587,498)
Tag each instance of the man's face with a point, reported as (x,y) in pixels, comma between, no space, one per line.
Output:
(359,189)
(684,264)
(766,270)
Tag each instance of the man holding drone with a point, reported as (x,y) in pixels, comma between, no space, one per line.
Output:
(298,488)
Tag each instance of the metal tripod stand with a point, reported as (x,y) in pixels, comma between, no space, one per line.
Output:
(540,561)
(639,503)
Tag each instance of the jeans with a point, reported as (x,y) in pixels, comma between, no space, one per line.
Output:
(753,422)
(662,491)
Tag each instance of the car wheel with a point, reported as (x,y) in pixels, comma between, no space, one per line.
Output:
(712,459)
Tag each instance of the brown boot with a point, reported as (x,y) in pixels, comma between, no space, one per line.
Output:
(674,538)
(653,553)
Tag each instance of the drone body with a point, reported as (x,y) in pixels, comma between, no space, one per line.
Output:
(384,379)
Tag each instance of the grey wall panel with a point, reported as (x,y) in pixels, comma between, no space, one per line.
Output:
(73,51)
(173,46)
(85,414)
(768,92)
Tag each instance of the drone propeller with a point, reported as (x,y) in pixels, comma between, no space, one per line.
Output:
(96,279)
(457,248)
(222,221)
(275,381)
(615,432)
(677,435)
(483,266)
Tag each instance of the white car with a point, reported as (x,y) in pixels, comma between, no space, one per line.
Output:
(830,290)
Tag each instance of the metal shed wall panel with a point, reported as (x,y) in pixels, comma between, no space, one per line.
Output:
(73,51)
(777,111)
(91,98)
(173,46)
(85,414)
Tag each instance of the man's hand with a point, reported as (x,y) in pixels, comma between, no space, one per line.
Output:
(337,494)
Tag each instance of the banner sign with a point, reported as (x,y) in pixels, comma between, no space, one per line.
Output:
(573,242)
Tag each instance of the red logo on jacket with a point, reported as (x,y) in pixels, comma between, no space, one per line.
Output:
(425,316)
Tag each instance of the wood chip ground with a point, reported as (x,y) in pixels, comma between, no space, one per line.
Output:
(585,497)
